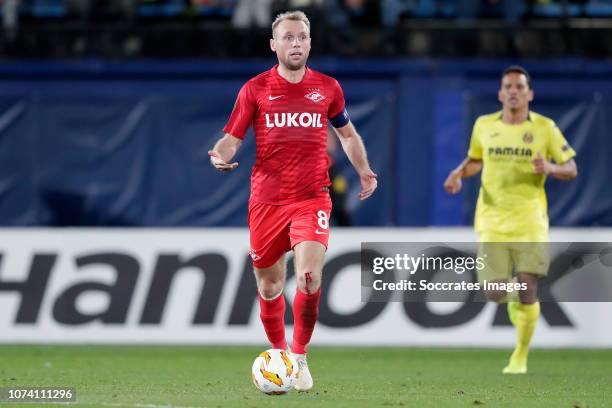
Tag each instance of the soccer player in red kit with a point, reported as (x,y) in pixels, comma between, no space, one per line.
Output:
(290,107)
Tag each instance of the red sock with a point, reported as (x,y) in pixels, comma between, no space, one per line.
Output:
(273,319)
(305,313)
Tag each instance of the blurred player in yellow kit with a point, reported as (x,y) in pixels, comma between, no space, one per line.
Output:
(515,149)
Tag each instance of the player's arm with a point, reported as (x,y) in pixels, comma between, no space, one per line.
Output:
(558,159)
(565,171)
(468,168)
(471,165)
(353,146)
(223,152)
(240,119)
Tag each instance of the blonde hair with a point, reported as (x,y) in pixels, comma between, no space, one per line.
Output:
(290,15)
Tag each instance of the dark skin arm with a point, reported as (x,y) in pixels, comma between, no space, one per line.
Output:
(468,168)
(565,171)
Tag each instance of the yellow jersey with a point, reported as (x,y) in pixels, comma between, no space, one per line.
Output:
(512,202)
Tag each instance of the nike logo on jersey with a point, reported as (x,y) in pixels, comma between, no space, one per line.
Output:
(494,134)
(271,98)
(320,232)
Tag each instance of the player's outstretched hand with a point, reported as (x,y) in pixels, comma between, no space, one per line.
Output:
(453,183)
(368,184)
(220,164)
(540,165)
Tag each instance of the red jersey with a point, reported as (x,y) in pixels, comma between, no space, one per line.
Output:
(290,123)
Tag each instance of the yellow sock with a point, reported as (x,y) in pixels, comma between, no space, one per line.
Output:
(512,300)
(526,319)
(513,311)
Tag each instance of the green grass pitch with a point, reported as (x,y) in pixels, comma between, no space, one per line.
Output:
(155,377)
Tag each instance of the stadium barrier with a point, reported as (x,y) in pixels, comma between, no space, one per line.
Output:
(99,143)
(195,286)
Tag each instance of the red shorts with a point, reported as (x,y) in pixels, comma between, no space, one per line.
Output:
(276,229)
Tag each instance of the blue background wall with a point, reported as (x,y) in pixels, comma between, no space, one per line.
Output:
(99,143)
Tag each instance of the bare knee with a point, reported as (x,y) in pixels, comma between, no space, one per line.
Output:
(529,295)
(271,281)
(495,295)
(270,288)
(308,281)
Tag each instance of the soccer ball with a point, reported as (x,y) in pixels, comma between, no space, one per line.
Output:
(274,371)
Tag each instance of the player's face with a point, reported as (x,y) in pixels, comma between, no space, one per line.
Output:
(291,43)
(515,93)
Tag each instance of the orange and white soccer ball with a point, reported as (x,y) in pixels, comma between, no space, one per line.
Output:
(274,371)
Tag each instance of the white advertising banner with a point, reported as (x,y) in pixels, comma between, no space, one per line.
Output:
(195,286)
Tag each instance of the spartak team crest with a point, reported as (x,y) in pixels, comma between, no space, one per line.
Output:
(528,137)
(253,255)
(314,96)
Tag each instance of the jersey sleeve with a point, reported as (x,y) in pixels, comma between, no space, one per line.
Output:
(558,148)
(337,105)
(243,112)
(475,150)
